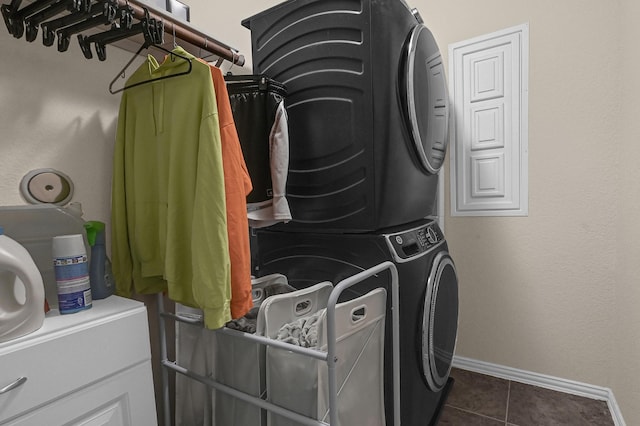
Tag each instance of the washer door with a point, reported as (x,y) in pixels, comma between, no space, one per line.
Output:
(425,97)
(439,321)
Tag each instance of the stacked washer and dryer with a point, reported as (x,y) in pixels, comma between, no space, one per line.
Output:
(368,129)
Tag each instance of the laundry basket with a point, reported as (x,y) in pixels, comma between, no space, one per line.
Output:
(299,383)
(239,363)
(349,352)
(193,402)
(229,359)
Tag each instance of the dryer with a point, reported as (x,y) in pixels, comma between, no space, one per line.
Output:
(428,299)
(368,110)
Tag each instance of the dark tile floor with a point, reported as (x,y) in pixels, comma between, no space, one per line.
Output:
(480,400)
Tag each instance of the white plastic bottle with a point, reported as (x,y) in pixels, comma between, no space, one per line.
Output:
(21,291)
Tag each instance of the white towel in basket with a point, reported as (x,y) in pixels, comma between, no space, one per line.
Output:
(302,332)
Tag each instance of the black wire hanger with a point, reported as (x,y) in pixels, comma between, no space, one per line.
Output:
(154,37)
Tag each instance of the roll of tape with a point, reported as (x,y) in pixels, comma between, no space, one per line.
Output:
(46,186)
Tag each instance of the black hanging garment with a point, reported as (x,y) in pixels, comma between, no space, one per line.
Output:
(258,109)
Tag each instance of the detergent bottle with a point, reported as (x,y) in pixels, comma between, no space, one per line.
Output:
(102,284)
(21,291)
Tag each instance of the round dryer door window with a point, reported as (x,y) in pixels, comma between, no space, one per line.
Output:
(426,99)
(440,322)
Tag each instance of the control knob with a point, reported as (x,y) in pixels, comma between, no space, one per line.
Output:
(432,236)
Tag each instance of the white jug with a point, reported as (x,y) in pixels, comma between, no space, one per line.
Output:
(21,291)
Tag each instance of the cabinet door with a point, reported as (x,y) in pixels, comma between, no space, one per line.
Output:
(71,352)
(489,159)
(121,400)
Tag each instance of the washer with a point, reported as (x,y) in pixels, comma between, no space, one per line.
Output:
(368,110)
(428,298)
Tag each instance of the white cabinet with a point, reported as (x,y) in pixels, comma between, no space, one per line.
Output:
(88,368)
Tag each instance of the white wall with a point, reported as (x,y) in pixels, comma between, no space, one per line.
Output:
(536,292)
(555,292)
(627,315)
(56,112)
(552,292)
(224,23)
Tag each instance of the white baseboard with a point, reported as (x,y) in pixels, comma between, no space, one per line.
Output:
(543,381)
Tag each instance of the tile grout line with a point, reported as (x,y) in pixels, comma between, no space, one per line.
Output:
(506,414)
(464,410)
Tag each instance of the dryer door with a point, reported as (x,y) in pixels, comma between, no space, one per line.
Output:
(439,321)
(425,98)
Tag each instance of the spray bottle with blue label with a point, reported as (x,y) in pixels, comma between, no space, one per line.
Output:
(102,284)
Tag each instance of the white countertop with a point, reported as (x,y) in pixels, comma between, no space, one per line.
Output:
(55,323)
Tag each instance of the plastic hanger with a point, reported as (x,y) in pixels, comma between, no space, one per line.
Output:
(124,30)
(81,8)
(145,46)
(154,36)
(64,34)
(234,58)
(8,11)
(256,82)
(105,8)
(14,18)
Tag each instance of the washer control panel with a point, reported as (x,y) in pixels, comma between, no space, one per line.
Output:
(414,242)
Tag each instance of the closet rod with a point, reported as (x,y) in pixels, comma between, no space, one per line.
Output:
(174,26)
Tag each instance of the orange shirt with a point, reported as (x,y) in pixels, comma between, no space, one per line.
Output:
(237,185)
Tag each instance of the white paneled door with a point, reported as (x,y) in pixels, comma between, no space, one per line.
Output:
(489,94)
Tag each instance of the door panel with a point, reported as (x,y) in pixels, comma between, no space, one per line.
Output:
(439,322)
(426,99)
(489,91)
